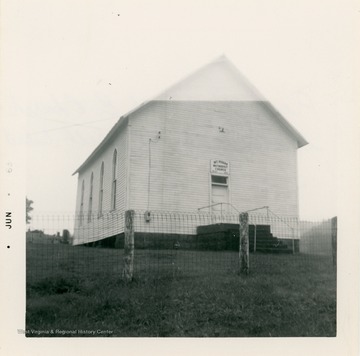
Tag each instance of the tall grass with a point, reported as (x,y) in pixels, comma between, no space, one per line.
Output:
(79,288)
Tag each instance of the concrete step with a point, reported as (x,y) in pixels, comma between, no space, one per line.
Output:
(274,250)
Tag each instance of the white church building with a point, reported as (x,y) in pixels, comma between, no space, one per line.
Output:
(210,142)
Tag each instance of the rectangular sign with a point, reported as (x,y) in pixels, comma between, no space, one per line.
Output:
(218,166)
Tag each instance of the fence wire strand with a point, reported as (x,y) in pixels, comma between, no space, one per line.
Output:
(173,244)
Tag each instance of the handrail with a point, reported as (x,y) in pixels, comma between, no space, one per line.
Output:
(247,211)
(263,207)
(210,206)
(291,227)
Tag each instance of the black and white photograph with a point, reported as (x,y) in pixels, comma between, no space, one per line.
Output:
(180,176)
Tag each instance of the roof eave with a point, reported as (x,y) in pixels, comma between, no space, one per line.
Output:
(119,124)
(298,137)
(301,141)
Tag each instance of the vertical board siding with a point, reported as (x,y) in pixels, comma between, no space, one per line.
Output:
(110,222)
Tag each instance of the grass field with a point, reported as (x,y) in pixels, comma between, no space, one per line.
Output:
(78,291)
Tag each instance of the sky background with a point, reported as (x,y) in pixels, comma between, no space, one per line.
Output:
(74,67)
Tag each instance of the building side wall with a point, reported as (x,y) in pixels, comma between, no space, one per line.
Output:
(261,153)
(109,222)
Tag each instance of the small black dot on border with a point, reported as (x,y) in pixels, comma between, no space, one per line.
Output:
(8,247)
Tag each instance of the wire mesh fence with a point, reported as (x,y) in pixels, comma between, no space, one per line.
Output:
(186,273)
(175,244)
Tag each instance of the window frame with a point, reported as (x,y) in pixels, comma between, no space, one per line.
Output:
(91,197)
(219,183)
(81,217)
(101,189)
(114,180)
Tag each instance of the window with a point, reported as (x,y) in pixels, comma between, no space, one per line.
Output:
(113,186)
(101,188)
(91,197)
(219,180)
(81,217)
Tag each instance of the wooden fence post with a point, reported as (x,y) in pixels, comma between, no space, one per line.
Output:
(129,245)
(255,238)
(334,239)
(244,243)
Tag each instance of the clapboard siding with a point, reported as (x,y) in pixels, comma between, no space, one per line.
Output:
(214,113)
(110,222)
(262,156)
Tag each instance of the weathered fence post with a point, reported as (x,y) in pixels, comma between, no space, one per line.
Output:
(244,243)
(255,238)
(293,240)
(129,245)
(334,239)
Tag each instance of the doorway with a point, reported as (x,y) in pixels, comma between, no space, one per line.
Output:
(219,194)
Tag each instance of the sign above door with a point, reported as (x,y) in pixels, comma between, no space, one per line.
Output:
(220,167)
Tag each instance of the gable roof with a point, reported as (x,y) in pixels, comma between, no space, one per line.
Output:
(219,80)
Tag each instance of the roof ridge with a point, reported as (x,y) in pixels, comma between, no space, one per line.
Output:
(248,86)
(218,59)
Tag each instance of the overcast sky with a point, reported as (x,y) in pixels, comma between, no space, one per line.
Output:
(74,67)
